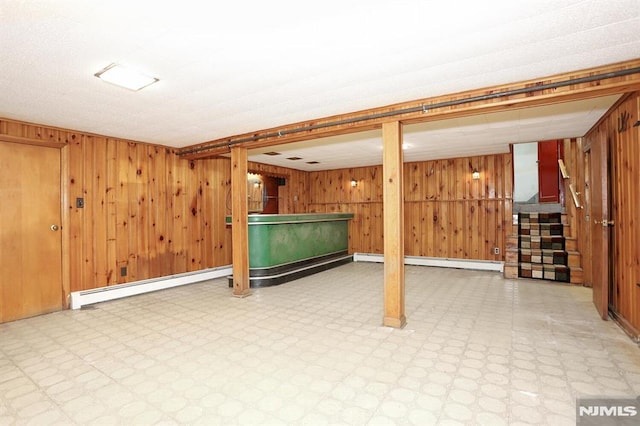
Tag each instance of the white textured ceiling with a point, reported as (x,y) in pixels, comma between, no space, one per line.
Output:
(458,137)
(227,68)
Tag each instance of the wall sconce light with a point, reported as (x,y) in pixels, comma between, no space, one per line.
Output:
(476,174)
(354,183)
(254,179)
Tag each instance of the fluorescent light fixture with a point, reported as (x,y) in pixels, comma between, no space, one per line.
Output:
(125,77)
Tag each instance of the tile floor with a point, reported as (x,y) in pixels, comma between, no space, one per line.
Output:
(477,349)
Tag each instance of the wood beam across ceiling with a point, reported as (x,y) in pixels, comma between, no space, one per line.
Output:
(606,80)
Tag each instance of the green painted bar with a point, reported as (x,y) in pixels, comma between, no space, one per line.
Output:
(276,239)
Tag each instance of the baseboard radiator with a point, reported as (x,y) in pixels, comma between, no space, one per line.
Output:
(480,265)
(78,299)
(113,292)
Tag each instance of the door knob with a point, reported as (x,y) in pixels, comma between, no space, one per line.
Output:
(54,227)
(604,222)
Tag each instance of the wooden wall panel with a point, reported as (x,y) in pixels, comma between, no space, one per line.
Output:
(255,202)
(99,218)
(147,213)
(112,220)
(219,191)
(155,214)
(625,168)
(145,209)
(74,189)
(624,149)
(37,135)
(194,217)
(176,229)
(575,160)
(447,213)
(297,181)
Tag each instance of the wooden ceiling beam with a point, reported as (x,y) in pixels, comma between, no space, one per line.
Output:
(573,86)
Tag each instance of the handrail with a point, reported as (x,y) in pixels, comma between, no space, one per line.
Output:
(563,169)
(574,195)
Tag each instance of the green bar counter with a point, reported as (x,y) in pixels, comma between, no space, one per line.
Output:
(285,247)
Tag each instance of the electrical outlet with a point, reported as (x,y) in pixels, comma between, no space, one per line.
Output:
(123,271)
(79,203)
(496,250)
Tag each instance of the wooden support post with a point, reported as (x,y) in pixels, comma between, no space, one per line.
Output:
(393,225)
(239,222)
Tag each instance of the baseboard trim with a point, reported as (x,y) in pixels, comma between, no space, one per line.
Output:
(481,265)
(82,298)
(78,299)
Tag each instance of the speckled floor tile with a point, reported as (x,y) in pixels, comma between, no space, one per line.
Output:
(477,349)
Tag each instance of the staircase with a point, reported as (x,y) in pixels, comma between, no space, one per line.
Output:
(539,248)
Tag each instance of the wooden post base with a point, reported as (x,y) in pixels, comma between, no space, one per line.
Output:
(242,294)
(240,290)
(394,322)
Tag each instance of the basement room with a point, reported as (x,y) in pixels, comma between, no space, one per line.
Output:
(358,213)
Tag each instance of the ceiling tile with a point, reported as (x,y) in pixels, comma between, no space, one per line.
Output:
(236,67)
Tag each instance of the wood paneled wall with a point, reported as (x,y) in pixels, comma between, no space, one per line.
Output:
(254,196)
(625,178)
(292,197)
(149,211)
(624,151)
(625,156)
(577,163)
(330,191)
(145,209)
(447,213)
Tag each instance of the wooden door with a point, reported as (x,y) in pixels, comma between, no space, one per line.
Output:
(548,172)
(30,249)
(271,198)
(599,213)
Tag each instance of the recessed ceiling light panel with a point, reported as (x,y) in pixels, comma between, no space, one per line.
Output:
(125,77)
